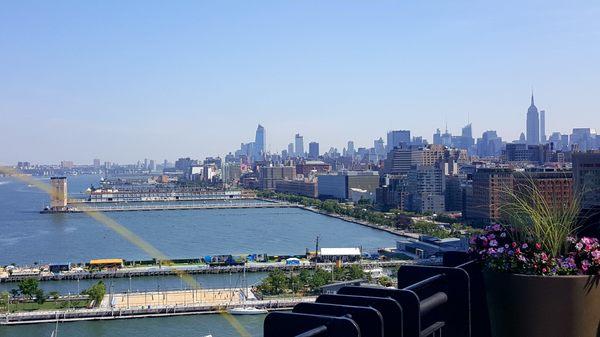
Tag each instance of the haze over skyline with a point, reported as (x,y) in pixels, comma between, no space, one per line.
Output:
(85,80)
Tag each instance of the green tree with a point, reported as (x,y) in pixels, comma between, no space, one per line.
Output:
(96,292)
(54,295)
(40,297)
(29,287)
(4,300)
(319,278)
(385,281)
(276,283)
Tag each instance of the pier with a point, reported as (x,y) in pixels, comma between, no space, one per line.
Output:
(152,206)
(172,308)
(195,269)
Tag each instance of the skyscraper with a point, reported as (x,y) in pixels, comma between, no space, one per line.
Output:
(397,137)
(290,149)
(467,140)
(533,124)
(259,142)
(437,137)
(350,150)
(299,145)
(543,138)
(379,148)
(313,150)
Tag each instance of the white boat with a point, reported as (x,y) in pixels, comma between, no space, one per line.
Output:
(247,311)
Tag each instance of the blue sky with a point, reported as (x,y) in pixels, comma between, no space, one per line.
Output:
(123,81)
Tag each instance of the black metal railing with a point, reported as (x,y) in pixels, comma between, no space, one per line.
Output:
(430,301)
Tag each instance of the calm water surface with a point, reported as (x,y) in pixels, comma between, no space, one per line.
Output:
(26,236)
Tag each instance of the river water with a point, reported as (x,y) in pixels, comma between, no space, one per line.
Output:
(26,237)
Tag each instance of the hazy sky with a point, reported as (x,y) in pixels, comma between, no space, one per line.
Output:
(125,80)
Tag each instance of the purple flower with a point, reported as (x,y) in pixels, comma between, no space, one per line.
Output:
(585,265)
(493,243)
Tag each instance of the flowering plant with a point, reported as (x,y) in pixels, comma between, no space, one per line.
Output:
(502,249)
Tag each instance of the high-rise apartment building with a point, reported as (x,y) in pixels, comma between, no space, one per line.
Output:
(555,186)
(487,195)
(586,179)
(269,175)
(425,187)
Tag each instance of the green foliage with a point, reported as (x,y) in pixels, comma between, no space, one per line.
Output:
(29,287)
(54,295)
(96,292)
(4,300)
(40,297)
(306,281)
(396,218)
(385,281)
(538,220)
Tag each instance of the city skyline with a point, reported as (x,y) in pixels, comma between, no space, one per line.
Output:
(196,78)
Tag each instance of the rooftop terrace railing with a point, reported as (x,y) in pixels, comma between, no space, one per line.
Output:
(430,301)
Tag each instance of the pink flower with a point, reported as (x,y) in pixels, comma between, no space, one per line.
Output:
(585,265)
(538,246)
(544,257)
(596,255)
(578,245)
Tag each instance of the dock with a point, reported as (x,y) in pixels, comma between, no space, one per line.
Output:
(149,206)
(163,304)
(196,269)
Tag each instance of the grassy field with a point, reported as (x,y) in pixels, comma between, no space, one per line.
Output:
(49,305)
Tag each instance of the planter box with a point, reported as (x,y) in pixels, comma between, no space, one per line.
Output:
(545,306)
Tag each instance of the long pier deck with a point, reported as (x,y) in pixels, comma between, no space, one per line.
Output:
(194,269)
(98,207)
(110,313)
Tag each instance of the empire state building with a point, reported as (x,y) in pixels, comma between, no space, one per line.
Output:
(533,124)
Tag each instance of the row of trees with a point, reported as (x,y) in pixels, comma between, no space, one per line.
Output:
(364,210)
(306,281)
(30,290)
